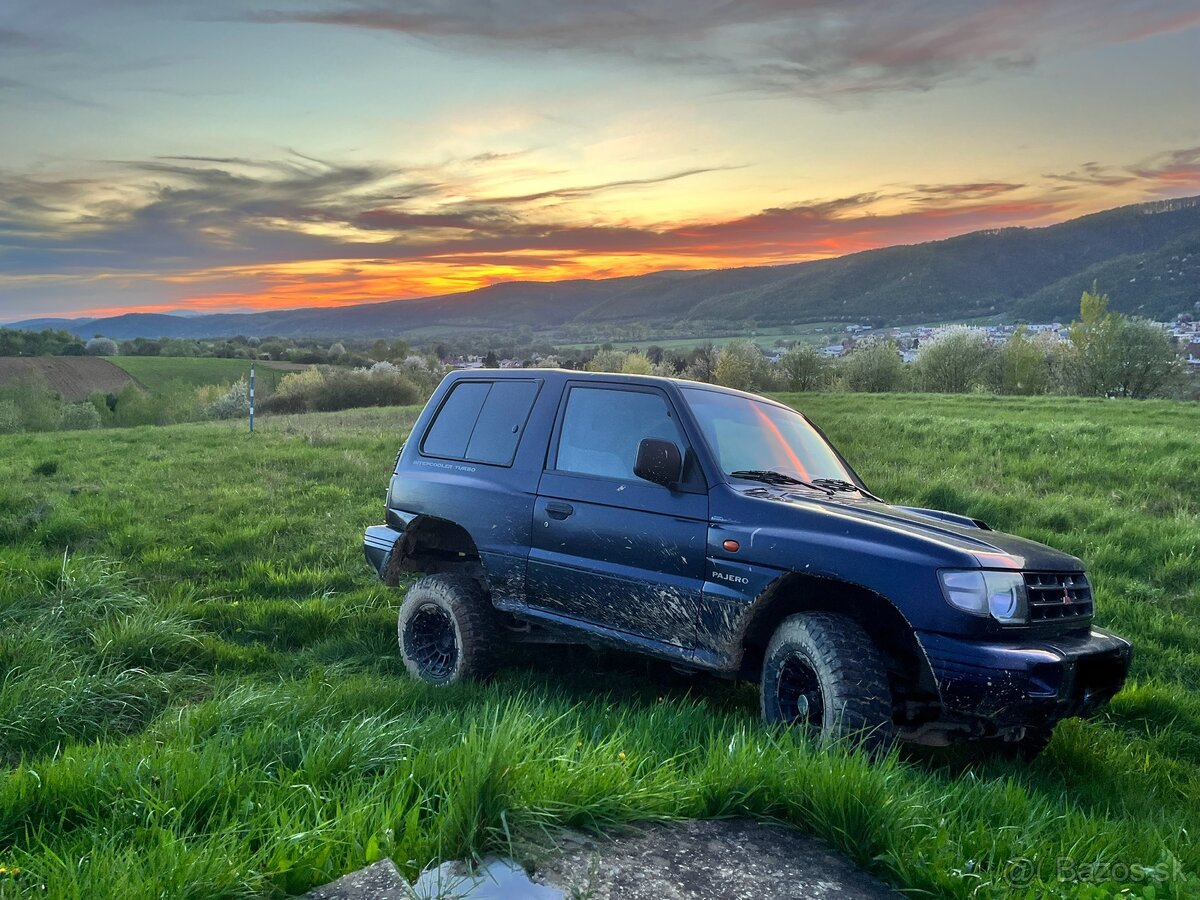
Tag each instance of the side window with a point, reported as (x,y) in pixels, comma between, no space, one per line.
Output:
(481,421)
(498,429)
(602,428)
(451,429)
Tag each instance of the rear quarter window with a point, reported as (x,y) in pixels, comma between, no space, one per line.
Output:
(481,421)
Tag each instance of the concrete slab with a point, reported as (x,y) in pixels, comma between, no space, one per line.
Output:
(691,860)
(695,860)
(379,881)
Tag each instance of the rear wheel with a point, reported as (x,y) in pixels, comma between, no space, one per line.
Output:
(447,630)
(824,673)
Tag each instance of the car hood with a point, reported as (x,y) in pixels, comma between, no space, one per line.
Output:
(847,513)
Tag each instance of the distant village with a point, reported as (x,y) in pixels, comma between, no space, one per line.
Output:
(1184,333)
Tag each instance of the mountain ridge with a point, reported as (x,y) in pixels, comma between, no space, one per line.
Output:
(1146,256)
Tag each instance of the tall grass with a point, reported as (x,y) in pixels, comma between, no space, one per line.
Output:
(204,700)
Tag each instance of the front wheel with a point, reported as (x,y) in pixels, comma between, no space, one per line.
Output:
(823,672)
(447,630)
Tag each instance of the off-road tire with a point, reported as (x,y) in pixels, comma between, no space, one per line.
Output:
(854,699)
(457,612)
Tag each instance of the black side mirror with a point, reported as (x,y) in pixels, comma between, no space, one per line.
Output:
(659,461)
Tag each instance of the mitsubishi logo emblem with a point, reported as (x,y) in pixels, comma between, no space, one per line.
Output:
(1067,597)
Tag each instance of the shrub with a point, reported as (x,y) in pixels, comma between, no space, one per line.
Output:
(315,390)
(1027,365)
(283,404)
(135,407)
(620,361)
(1115,354)
(79,417)
(1146,362)
(104,404)
(875,367)
(359,387)
(300,384)
(741,365)
(294,393)
(28,405)
(636,364)
(101,346)
(423,371)
(702,364)
(956,361)
(232,404)
(10,416)
(804,368)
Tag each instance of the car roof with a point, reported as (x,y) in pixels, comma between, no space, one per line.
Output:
(609,377)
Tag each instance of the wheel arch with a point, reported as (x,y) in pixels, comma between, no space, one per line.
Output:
(909,672)
(431,545)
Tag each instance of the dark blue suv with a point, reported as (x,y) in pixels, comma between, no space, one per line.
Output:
(722,531)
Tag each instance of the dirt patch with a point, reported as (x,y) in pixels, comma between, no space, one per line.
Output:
(71,377)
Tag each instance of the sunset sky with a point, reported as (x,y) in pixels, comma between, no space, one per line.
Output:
(221,155)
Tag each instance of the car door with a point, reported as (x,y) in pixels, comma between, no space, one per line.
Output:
(608,547)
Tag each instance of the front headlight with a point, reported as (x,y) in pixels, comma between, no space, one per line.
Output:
(981,593)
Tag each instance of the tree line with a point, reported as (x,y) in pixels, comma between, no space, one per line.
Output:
(1109,354)
(307,351)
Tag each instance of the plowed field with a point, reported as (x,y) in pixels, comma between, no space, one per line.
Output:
(72,377)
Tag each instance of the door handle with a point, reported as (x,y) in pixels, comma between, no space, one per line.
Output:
(556,510)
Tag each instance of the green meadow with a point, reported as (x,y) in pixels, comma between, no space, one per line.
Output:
(159,373)
(201,697)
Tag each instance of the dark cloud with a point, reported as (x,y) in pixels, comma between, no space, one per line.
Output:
(971,190)
(828,48)
(1093,173)
(1168,172)
(182,212)
(1172,167)
(565,193)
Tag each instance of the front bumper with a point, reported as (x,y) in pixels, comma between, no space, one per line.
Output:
(1016,683)
(378,543)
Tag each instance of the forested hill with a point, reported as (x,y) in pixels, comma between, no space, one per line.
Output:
(1146,256)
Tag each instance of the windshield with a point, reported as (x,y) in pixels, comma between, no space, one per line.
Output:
(747,435)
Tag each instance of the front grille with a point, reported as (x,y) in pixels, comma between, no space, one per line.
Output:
(1055,596)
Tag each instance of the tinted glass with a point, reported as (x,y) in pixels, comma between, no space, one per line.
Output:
(451,430)
(481,421)
(501,420)
(602,429)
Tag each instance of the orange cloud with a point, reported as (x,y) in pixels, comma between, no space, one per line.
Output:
(775,236)
(244,236)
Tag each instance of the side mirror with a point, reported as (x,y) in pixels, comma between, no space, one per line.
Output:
(659,461)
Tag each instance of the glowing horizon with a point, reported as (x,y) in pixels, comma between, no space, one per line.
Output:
(308,154)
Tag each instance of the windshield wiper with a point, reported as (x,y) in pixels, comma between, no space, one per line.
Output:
(770,476)
(837,484)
